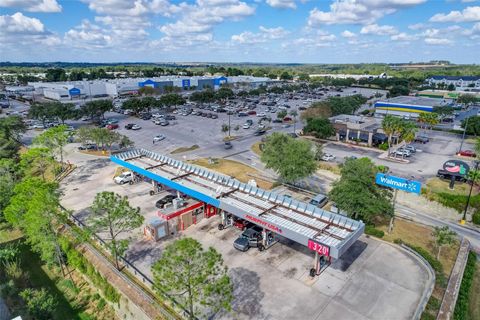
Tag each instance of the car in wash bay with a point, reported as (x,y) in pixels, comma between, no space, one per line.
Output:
(160,204)
(250,238)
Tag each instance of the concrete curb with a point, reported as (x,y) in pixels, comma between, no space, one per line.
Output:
(451,293)
(429,289)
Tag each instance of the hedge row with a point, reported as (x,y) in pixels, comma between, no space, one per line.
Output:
(370,230)
(436,265)
(458,202)
(78,261)
(461,308)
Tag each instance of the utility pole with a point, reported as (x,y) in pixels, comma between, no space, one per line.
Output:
(477,162)
(463,136)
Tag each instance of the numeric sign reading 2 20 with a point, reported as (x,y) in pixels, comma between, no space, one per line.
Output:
(320,248)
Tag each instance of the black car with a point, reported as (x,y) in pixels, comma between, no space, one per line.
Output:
(146,116)
(170,117)
(277,121)
(252,237)
(160,204)
(422,139)
(259,132)
(129,126)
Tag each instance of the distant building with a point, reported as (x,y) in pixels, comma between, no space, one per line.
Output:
(457,81)
(364,130)
(71,90)
(408,106)
(445,94)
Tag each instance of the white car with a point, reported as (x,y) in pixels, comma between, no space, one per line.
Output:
(158,138)
(124,178)
(136,127)
(328,157)
(261,114)
(246,126)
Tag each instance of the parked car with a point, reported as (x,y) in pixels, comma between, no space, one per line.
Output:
(136,127)
(328,157)
(88,146)
(410,148)
(402,152)
(259,132)
(129,126)
(228,145)
(467,153)
(251,237)
(112,126)
(246,126)
(170,117)
(214,116)
(125,177)
(422,139)
(158,138)
(261,114)
(160,204)
(319,200)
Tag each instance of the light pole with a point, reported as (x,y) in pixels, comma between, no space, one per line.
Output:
(229,135)
(463,136)
(477,162)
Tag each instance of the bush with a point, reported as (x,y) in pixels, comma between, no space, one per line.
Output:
(436,265)
(383,146)
(461,308)
(398,241)
(383,169)
(370,230)
(476,217)
(40,303)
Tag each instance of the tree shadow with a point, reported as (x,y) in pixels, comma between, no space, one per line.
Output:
(247,294)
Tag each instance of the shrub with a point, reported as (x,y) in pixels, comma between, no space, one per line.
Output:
(383,146)
(40,303)
(476,217)
(370,230)
(436,265)
(383,169)
(433,304)
(461,308)
(101,303)
(398,241)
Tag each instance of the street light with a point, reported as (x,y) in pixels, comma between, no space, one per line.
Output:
(463,136)
(477,162)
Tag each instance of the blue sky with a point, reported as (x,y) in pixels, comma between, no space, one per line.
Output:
(303,31)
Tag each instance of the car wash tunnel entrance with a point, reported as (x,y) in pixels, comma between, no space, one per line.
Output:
(327,234)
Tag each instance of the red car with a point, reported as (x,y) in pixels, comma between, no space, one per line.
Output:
(252,113)
(241,224)
(467,153)
(112,126)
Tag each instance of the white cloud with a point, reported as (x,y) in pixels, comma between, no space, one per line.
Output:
(348,34)
(131,8)
(264,35)
(197,21)
(283,4)
(417,26)
(33,5)
(21,32)
(88,36)
(468,14)
(20,24)
(438,41)
(358,11)
(403,37)
(378,30)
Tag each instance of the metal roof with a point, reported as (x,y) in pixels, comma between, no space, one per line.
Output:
(295,220)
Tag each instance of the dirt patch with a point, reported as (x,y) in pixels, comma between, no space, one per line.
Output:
(256,148)
(98,153)
(290,273)
(234,169)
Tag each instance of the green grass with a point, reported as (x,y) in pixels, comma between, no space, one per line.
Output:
(185,149)
(474,298)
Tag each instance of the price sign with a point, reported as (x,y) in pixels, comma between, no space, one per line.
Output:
(320,248)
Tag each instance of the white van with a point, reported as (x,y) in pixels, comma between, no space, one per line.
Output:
(125,177)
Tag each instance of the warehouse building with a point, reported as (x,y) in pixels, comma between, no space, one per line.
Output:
(408,106)
(71,90)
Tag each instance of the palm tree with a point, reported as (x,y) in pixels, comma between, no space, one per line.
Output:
(432,119)
(391,125)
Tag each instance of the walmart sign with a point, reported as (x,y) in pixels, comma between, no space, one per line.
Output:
(398,183)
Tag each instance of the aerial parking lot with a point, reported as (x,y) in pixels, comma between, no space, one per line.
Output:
(372,280)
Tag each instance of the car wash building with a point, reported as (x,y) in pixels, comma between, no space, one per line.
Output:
(326,234)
